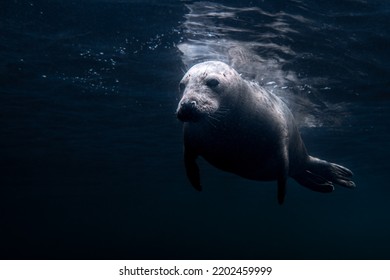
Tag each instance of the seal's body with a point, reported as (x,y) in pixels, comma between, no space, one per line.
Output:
(239,127)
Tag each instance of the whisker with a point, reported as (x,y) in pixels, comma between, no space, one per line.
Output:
(210,121)
(211,116)
(222,112)
(214,118)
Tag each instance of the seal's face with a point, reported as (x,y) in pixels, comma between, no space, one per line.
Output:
(204,88)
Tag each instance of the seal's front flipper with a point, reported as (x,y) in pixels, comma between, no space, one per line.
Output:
(281,189)
(192,169)
(282,177)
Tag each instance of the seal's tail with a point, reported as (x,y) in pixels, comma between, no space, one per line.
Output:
(320,175)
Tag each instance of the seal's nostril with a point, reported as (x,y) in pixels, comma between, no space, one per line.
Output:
(189,104)
(188,110)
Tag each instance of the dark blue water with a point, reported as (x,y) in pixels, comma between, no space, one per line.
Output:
(91,151)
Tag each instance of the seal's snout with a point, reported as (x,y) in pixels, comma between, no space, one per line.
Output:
(188,111)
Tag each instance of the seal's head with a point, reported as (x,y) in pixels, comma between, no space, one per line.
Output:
(205,88)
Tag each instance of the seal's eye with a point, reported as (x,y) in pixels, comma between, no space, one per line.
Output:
(182,86)
(212,83)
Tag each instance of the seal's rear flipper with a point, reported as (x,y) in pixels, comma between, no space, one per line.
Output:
(314,182)
(320,175)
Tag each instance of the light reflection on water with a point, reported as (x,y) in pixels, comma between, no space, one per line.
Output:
(262,52)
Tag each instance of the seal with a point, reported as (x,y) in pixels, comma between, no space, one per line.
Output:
(241,128)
